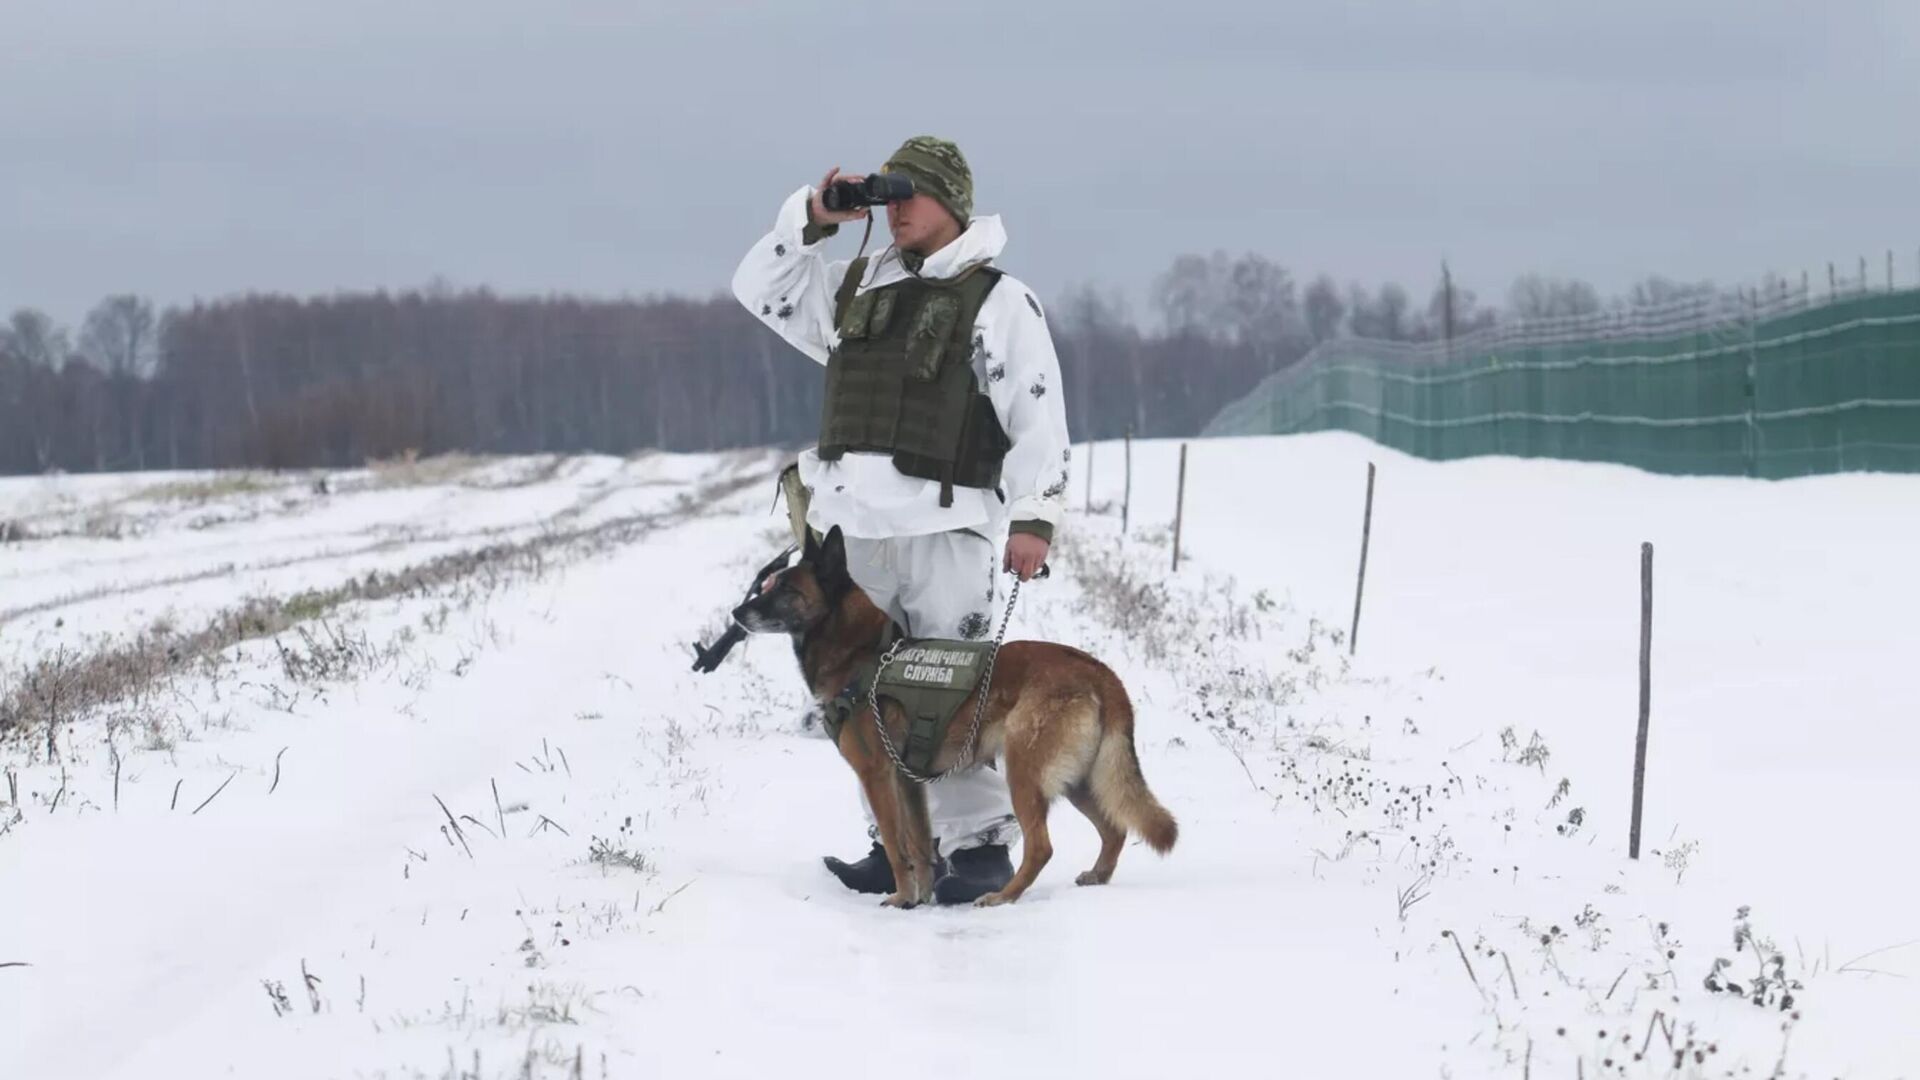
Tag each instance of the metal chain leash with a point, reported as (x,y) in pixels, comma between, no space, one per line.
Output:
(979,705)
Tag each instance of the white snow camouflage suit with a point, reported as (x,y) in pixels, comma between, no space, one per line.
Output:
(936,570)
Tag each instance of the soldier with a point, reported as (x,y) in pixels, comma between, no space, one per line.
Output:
(943,432)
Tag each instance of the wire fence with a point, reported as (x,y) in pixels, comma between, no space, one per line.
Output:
(1771,382)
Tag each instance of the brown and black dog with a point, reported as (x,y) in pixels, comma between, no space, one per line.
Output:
(1060,719)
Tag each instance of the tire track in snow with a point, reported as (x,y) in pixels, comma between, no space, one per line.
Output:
(65,689)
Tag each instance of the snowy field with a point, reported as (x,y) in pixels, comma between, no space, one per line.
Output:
(401,772)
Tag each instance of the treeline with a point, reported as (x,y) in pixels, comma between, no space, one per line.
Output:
(278,382)
(274,381)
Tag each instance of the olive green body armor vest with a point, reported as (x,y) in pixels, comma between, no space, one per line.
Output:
(901,381)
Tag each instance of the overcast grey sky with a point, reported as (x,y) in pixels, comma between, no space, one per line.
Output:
(202,147)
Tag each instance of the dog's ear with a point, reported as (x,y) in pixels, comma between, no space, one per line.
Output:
(830,559)
(810,551)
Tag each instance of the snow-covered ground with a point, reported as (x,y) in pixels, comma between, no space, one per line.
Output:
(1410,862)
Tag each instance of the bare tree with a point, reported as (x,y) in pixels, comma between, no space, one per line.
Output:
(1382,317)
(33,350)
(1189,294)
(1249,300)
(1657,291)
(33,338)
(1261,309)
(1324,309)
(118,335)
(1534,296)
(1101,363)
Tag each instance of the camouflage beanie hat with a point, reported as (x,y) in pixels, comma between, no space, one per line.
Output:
(938,171)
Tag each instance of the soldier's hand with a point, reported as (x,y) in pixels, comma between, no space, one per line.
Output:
(824,216)
(1026,553)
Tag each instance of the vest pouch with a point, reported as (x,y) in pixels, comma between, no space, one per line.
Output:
(854,320)
(932,329)
(882,314)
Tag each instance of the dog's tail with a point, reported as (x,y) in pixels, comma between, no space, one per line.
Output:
(1117,784)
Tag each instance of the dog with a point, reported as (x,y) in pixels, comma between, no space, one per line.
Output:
(1059,718)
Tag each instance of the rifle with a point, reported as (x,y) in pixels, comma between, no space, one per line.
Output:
(706,658)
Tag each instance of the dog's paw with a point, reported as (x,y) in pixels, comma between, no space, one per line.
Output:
(1091,877)
(900,901)
(994,899)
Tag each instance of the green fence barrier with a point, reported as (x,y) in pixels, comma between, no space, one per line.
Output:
(1721,385)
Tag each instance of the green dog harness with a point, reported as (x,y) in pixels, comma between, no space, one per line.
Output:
(928,678)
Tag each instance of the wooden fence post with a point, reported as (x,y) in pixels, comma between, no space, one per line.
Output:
(1090,445)
(1753,386)
(1646,696)
(1360,586)
(1179,506)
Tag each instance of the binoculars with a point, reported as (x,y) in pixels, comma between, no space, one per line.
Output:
(878,189)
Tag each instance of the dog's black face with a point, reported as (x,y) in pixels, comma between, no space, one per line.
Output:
(797,598)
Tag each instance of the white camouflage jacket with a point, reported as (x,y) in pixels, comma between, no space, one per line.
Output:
(790,284)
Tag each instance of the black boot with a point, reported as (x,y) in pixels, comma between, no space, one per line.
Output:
(972,873)
(873,874)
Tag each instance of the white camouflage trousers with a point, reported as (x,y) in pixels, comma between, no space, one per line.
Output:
(943,585)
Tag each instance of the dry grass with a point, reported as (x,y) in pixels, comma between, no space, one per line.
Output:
(539,470)
(1161,620)
(64,687)
(131,514)
(1119,592)
(224,485)
(409,469)
(104,524)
